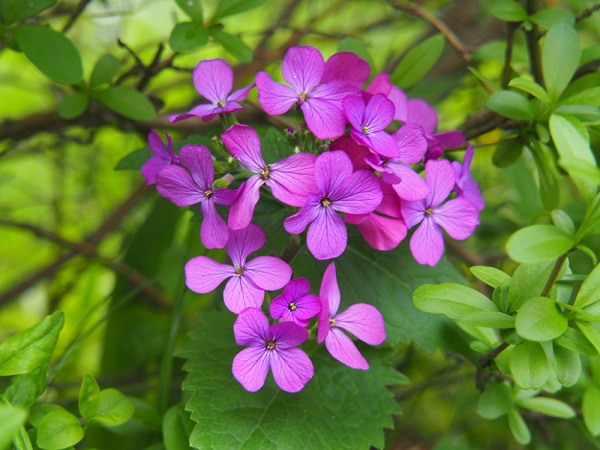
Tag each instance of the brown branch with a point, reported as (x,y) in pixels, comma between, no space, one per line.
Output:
(75,13)
(480,376)
(588,12)
(532,38)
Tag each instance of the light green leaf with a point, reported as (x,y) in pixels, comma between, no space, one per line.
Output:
(538,243)
(530,87)
(491,276)
(507,153)
(547,18)
(495,401)
(59,429)
(418,62)
(591,333)
(193,9)
(134,160)
(188,36)
(539,319)
(489,319)
(568,366)
(89,397)
(527,281)
(508,10)
(528,365)
(576,341)
(233,45)
(62,64)
(230,7)
(177,428)
(500,297)
(591,412)
(511,104)
(590,97)
(453,300)
(104,71)
(548,406)
(11,420)
(560,56)
(113,409)
(24,389)
(18,10)
(518,427)
(588,296)
(128,102)
(583,169)
(73,106)
(562,220)
(28,350)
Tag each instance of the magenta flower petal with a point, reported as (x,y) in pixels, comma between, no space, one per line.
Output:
(379,141)
(355,151)
(268,273)
(288,335)
(467,188)
(411,186)
(344,350)
(440,178)
(382,233)
(379,113)
(413,212)
(348,68)
(297,223)
(398,98)
(240,293)
(361,195)
(332,170)
(244,242)
(296,304)
(250,368)
(292,369)
(354,108)
(329,293)
(419,111)
(251,327)
(324,118)
(293,178)
(303,68)
(427,243)
(363,321)
(450,138)
(380,84)
(242,210)
(458,217)
(175,183)
(214,232)
(203,274)
(205,111)
(275,98)
(327,235)
(243,143)
(198,160)
(412,143)
(163,157)
(240,94)
(213,80)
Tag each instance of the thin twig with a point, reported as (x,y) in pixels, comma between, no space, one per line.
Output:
(511,27)
(587,12)
(554,274)
(533,45)
(75,14)
(484,362)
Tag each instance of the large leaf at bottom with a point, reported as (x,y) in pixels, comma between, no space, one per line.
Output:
(339,408)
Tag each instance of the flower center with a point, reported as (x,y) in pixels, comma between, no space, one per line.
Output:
(264,173)
(208,193)
(238,271)
(428,212)
(271,345)
(331,321)
(325,202)
(221,103)
(365,129)
(292,306)
(303,96)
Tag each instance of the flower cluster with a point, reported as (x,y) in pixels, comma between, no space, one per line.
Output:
(347,169)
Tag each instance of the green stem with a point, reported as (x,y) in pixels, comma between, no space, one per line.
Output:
(554,274)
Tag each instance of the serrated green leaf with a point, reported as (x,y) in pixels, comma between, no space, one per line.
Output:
(339,408)
(113,409)
(562,220)
(62,64)
(28,350)
(591,412)
(11,420)
(188,36)
(588,297)
(548,406)
(89,397)
(538,243)
(453,300)
(233,45)
(491,276)
(560,56)
(567,365)
(59,429)
(518,427)
(547,18)
(18,10)
(539,319)
(193,9)
(73,106)
(418,62)
(511,104)
(104,71)
(495,401)
(177,428)
(508,10)
(530,87)
(528,365)
(128,102)
(230,7)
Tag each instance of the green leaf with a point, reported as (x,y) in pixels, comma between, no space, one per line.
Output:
(518,427)
(507,153)
(233,45)
(275,146)
(500,297)
(489,319)
(576,341)
(508,10)
(193,9)
(134,160)
(495,401)
(548,406)
(491,276)
(128,102)
(356,46)
(453,300)
(269,215)
(528,365)
(188,36)
(89,397)
(177,427)
(511,104)
(24,389)
(113,409)
(585,172)
(28,350)
(230,7)
(11,420)
(560,56)
(548,18)
(591,412)
(590,97)
(530,87)
(59,429)
(591,333)
(562,220)
(18,10)
(73,106)
(62,64)
(539,319)
(527,281)
(568,366)
(418,62)
(588,296)
(538,243)
(339,408)
(104,71)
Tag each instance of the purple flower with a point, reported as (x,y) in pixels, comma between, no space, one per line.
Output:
(346,67)
(466,187)
(296,304)
(338,189)
(270,347)
(369,121)
(248,279)
(362,320)
(290,180)
(163,157)
(458,216)
(321,102)
(213,80)
(195,185)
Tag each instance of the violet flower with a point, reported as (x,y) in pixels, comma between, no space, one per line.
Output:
(466,187)
(457,216)
(321,102)
(290,180)
(248,279)
(195,185)
(296,303)
(348,68)
(163,157)
(270,347)
(362,320)
(213,80)
(338,189)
